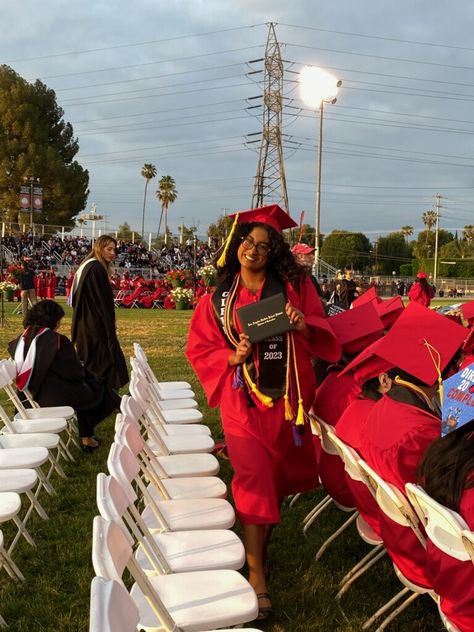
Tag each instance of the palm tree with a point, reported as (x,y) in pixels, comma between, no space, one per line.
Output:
(407,231)
(167,194)
(468,233)
(148,172)
(429,219)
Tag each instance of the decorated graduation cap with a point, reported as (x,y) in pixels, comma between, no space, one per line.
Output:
(422,342)
(468,312)
(458,400)
(357,327)
(368,364)
(271,215)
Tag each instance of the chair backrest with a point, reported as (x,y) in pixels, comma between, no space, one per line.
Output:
(112,609)
(123,465)
(443,526)
(320,428)
(349,456)
(391,501)
(8,377)
(112,553)
(468,540)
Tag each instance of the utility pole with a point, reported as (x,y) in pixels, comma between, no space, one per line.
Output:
(270,181)
(437,206)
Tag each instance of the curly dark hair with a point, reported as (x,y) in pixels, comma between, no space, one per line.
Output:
(44,314)
(281,262)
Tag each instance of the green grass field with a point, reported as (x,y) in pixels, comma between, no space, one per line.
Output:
(55,596)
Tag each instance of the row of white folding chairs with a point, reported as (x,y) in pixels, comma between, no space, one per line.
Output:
(409,510)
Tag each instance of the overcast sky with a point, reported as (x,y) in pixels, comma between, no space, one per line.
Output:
(167,83)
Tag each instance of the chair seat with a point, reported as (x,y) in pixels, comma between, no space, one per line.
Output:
(50,411)
(188,551)
(31,440)
(10,505)
(200,600)
(193,487)
(13,458)
(39,425)
(189,429)
(174,386)
(177,404)
(183,465)
(184,416)
(184,444)
(17,480)
(191,515)
(366,532)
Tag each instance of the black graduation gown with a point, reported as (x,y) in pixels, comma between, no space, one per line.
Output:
(59,379)
(93,327)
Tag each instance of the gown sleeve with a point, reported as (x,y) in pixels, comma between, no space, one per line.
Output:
(208,352)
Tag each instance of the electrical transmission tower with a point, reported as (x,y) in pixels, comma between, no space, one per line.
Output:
(270,181)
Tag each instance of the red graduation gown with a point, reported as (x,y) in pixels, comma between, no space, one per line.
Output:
(332,398)
(349,428)
(267,463)
(394,438)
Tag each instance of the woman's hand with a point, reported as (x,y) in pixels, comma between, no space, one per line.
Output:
(297,320)
(242,351)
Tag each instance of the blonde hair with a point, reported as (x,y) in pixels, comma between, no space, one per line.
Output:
(98,248)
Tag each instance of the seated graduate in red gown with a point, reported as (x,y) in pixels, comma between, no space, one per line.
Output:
(354,328)
(263,389)
(405,421)
(447,474)
(48,365)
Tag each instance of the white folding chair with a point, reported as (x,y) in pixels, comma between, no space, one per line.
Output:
(396,506)
(468,541)
(111,607)
(351,465)
(172,551)
(321,429)
(168,466)
(184,398)
(10,505)
(157,437)
(170,515)
(190,602)
(163,387)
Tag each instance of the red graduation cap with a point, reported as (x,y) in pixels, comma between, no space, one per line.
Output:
(421,342)
(368,296)
(271,215)
(357,327)
(302,249)
(468,312)
(368,364)
(390,310)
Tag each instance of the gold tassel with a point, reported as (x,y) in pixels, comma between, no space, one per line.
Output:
(437,365)
(222,259)
(288,409)
(300,417)
(416,388)
(265,399)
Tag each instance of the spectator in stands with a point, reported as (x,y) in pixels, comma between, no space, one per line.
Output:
(93,321)
(48,366)
(27,287)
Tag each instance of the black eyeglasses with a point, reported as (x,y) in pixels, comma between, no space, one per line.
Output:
(262,248)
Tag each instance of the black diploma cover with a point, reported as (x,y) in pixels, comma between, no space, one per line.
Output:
(265,318)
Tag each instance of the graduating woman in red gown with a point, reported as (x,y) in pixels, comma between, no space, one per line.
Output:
(447,475)
(262,390)
(421,291)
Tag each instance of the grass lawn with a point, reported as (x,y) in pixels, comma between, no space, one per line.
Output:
(55,596)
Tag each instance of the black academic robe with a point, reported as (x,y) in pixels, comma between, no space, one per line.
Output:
(93,327)
(59,379)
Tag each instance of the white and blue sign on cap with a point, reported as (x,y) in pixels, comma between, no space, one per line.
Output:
(458,400)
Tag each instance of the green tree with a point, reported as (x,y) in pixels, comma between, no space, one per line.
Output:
(342,247)
(424,246)
(167,194)
(407,231)
(35,141)
(429,219)
(148,172)
(125,232)
(218,232)
(392,252)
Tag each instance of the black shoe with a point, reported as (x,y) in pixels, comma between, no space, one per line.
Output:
(89,449)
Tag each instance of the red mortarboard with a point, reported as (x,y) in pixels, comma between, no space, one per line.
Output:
(390,310)
(272,215)
(368,364)
(468,346)
(327,344)
(421,342)
(468,311)
(356,328)
(302,249)
(367,297)
(421,275)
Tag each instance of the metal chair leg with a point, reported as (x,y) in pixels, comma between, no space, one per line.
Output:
(336,534)
(385,607)
(359,569)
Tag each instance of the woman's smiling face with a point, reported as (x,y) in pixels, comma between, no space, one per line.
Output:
(251,253)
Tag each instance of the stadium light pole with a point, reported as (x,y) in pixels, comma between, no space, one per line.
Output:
(318,87)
